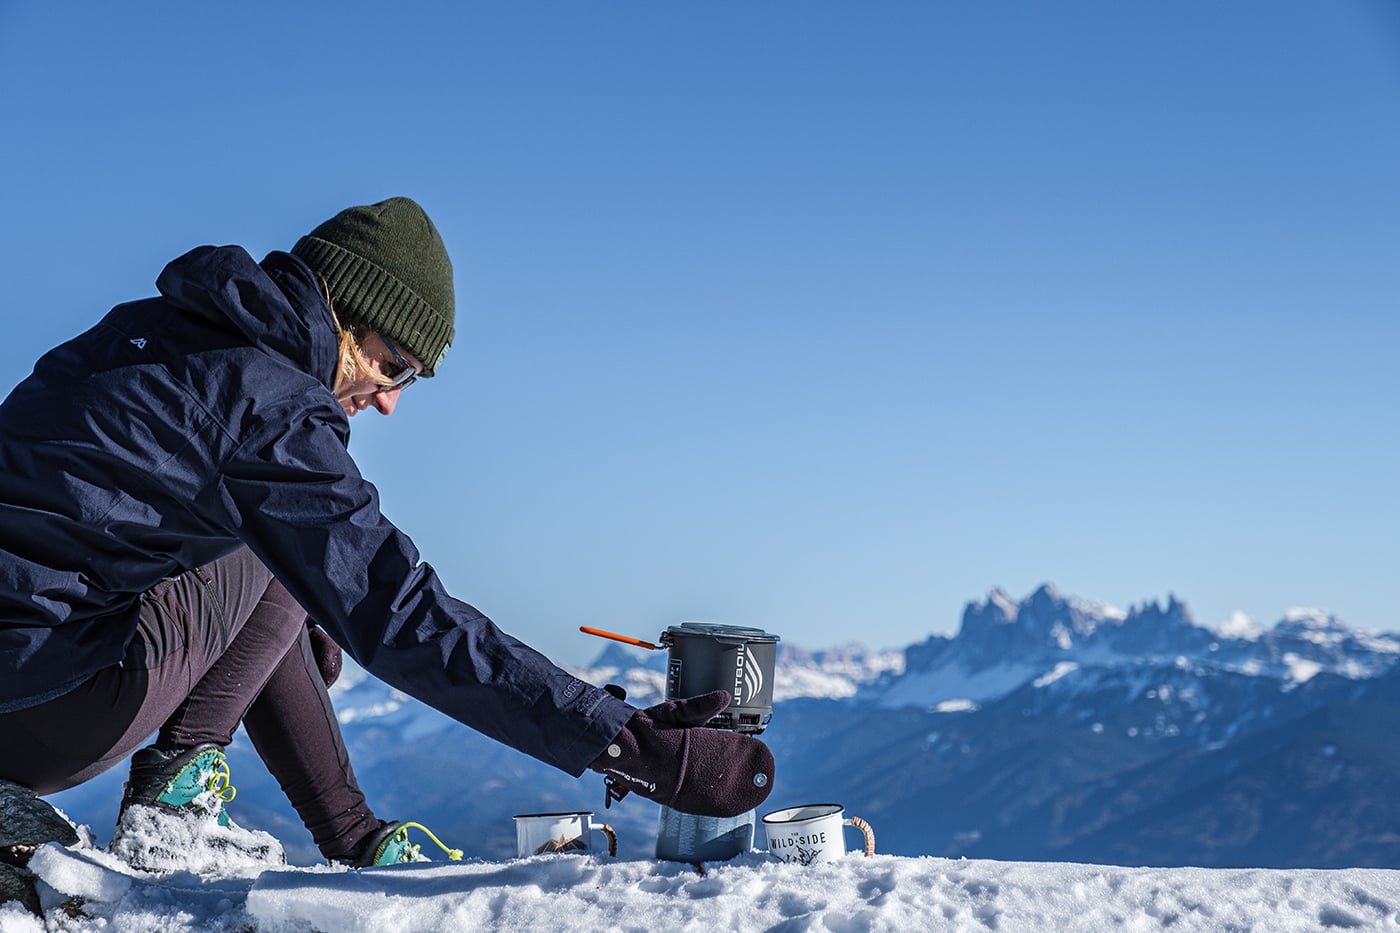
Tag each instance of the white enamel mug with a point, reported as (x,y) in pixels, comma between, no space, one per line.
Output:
(543,833)
(812,833)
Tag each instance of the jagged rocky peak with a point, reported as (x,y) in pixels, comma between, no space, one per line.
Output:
(1175,610)
(996,609)
(998,629)
(1174,615)
(1052,613)
(1048,623)
(1042,612)
(990,630)
(999,601)
(1155,630)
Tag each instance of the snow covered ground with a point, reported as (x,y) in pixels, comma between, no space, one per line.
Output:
(751,892)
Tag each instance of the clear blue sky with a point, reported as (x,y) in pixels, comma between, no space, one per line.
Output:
(823,318)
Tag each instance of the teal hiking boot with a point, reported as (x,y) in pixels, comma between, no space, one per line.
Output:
(191,777)
(173,817)
(390,845)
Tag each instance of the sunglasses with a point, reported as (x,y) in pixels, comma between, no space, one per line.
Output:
(404,377)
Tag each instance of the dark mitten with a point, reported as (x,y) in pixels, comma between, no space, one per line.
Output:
(666,754)
(326,652)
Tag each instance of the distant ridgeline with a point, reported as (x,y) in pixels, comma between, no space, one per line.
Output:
(1056,729)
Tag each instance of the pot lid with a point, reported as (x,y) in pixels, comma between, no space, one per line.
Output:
(716,630)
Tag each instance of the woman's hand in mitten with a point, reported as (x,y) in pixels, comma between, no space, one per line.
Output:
(667,754)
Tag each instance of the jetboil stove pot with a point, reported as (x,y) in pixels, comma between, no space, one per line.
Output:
(704,657)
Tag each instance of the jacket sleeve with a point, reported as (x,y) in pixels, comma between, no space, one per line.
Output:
(296,498)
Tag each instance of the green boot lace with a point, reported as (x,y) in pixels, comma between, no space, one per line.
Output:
(178,779)
(395,848)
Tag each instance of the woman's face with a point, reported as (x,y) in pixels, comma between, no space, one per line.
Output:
(363,392)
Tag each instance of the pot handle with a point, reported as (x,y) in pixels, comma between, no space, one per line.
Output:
(867,830)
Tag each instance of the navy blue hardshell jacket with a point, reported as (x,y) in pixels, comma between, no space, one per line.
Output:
(183,427)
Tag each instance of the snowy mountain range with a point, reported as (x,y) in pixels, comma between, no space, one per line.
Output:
(1002,645)
(1051,728)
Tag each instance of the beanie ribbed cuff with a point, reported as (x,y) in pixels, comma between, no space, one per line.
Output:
(366,293)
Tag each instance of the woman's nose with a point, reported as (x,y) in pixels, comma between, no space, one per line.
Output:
(387,401)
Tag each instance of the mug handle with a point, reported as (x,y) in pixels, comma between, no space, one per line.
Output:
(865,828)
(612,838)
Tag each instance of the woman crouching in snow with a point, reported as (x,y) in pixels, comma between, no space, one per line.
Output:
(177,500)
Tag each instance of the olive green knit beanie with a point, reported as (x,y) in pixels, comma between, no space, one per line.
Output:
(386,267)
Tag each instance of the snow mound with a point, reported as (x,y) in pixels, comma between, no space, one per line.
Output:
(748,893)
(157,840)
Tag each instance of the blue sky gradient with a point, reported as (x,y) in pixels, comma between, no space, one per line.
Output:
(823,318)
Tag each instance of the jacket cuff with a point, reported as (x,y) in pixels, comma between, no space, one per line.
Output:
(605,716)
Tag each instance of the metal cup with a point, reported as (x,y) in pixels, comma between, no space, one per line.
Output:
(812,833)
(545,833)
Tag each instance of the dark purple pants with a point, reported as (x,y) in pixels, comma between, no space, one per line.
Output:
(217,646)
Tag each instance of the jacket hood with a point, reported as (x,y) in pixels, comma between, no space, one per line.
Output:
(277,305)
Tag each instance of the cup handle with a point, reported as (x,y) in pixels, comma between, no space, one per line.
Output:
(867,829)
(612,838)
